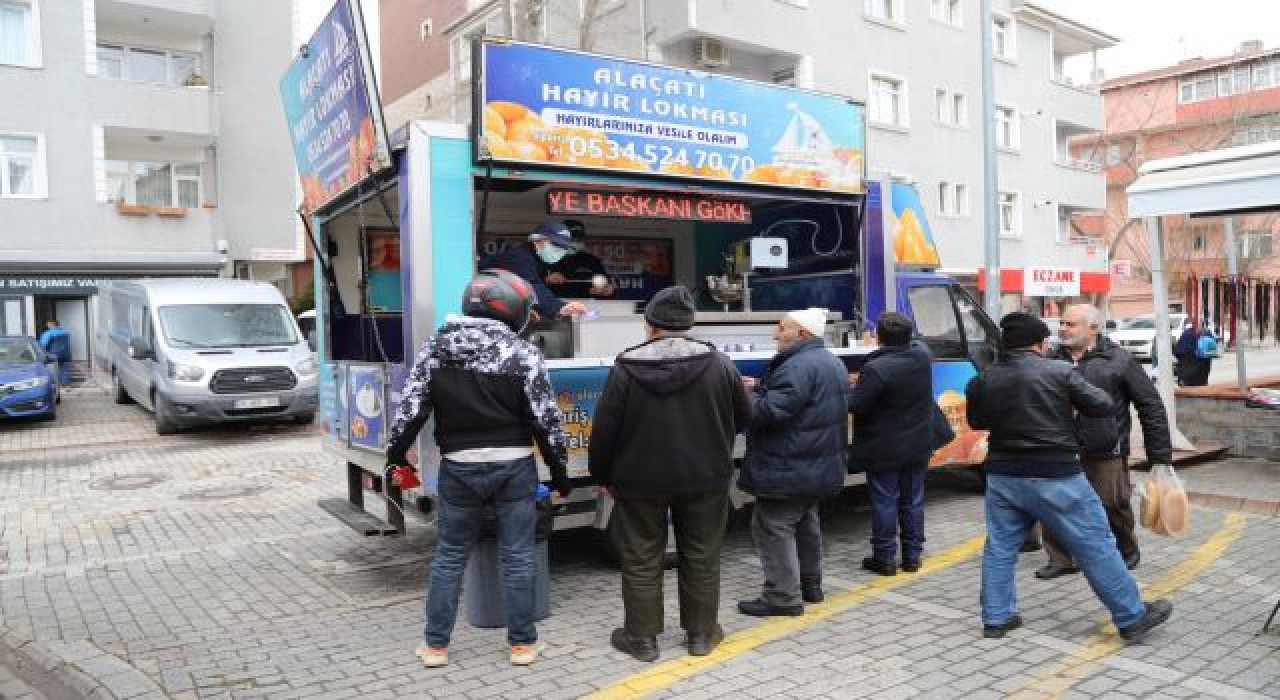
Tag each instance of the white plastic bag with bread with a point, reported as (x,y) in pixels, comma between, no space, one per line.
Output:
(1165,509)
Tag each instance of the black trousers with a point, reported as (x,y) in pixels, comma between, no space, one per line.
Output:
(640,531)
(1110,479)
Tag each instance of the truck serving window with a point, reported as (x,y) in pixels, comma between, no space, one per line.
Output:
(935,318)
(227,325)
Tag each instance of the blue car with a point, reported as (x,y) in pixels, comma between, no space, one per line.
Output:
(28,379)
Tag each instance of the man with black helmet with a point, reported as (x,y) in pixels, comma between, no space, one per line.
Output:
(1028,403)
(492,401)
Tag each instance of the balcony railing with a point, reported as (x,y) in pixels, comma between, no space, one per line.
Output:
(1063,81)
(1080,164)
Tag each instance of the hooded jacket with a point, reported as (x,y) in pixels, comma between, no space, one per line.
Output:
(666,421)
(799,426)
(489,388)
(1112,369)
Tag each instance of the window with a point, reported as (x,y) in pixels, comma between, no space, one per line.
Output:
(888,100)
(951,108)
(1256,244)
(1202,86)
(1115,154)
(1007,128)
(1004,38)
(936,323)
(140,65)
(980,335)
(21,165)
(953,198)
(1199,242)
(949,11)
(1233,82)
(19,33)
(1010,215)
(886,10)
(158,184)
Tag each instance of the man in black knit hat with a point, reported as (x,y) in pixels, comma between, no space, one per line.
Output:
(662,439)
(1028,403)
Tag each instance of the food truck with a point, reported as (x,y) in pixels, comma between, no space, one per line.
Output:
(754,196)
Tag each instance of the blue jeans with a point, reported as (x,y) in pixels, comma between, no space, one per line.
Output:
(897,501)
(468,494)
(1070,509)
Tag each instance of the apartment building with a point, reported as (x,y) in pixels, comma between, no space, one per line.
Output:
(139,138)
(1196,105)
(915,63)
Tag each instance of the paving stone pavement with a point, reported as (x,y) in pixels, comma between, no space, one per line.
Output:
(199,566)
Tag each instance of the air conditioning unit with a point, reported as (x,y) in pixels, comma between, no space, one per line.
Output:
(711,53)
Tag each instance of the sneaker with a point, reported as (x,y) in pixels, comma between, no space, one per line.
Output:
(703,643)
(1158,612)
(1052,571)
(762,608)
(640,648)
(524,654)
(433,657)
(812,593)
(998,631)
(876,566)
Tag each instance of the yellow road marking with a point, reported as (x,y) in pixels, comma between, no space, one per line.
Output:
(1074,668)
(666,674)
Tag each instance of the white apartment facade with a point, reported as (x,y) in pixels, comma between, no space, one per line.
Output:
(916,64)
(139,138)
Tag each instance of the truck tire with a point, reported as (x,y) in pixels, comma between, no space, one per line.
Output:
(165,425)
(118,392)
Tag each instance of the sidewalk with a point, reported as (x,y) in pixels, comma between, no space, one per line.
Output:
(1240,484)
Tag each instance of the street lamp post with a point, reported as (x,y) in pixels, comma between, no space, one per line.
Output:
(990,196)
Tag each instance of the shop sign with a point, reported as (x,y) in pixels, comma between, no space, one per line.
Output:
(647,205)
(331,105)
(50,285)
(1122,268)
(557,107)
(1051,281)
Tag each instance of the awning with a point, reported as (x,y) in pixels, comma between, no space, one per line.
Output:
(1011,280)
(112,264)
(1214,183)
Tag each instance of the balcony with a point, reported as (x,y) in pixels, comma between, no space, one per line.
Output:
(159,108)
(163,15)
(772,27)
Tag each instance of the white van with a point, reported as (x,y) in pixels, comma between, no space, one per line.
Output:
(204,351)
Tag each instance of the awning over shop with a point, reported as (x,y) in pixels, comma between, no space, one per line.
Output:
(1011,280)
(1214,183)
(111,264)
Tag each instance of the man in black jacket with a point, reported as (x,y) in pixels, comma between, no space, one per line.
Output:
(548,244)
(795,457)
(492,401)
(662,439)
(892,405)
(1104,441)
(1028,403)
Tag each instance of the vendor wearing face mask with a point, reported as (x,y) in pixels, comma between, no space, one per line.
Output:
(547,245)
(580,273)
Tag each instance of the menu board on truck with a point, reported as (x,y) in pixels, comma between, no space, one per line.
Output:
(558,107)
(331,103)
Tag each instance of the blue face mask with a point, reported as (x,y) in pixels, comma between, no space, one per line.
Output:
(551,254)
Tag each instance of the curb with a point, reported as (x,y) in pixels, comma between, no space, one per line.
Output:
(82,670)
(1241,504)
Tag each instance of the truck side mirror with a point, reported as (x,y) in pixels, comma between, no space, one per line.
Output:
(139,349)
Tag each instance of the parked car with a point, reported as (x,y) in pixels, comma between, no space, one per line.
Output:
(205,351)
(1138,334)
(28,379)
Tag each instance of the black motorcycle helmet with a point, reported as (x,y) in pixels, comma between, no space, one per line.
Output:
(501,296)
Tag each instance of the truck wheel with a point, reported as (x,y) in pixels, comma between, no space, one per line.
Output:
(117,390)
(165,425)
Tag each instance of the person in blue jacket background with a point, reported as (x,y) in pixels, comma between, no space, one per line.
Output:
(56,341)
(547,245)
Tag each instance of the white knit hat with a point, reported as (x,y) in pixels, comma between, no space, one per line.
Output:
(811,319)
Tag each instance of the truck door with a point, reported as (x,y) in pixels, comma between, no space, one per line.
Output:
(951,323)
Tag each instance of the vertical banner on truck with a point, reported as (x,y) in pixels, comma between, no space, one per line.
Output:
(331,104)
(550,106)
